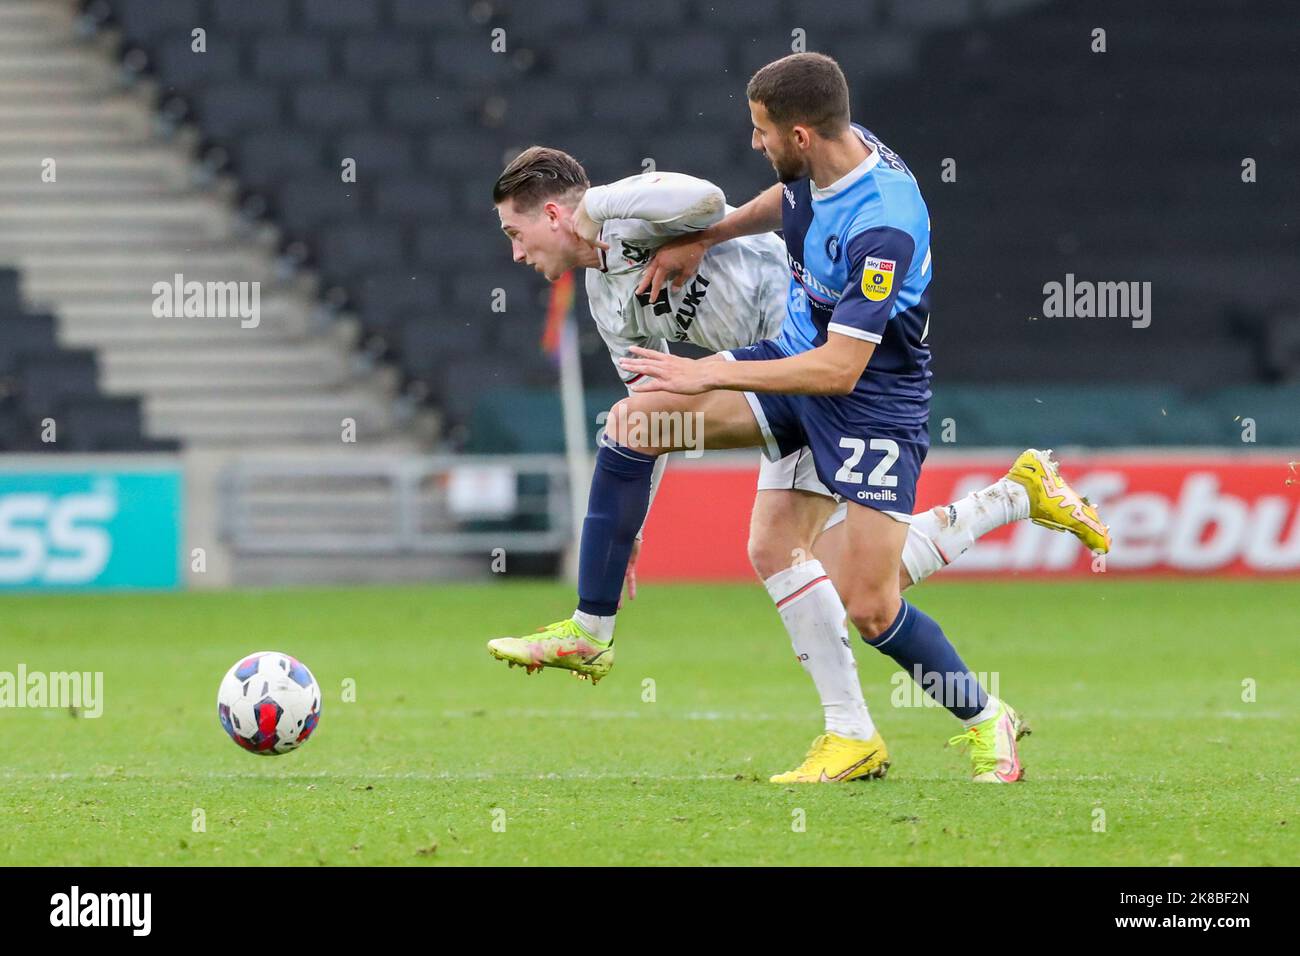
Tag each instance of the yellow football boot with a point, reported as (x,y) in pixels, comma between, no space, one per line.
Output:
(836,759)
(1054,504)
(564,644)
(992,747)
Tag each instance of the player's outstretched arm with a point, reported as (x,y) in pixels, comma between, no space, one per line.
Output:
(676,201)
(679,259)
(830,369)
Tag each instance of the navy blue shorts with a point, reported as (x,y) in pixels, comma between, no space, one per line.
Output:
(857,456)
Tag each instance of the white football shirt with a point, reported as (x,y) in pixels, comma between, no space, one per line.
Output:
(737,298)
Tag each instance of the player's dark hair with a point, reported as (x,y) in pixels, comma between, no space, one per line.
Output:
(804,88)
(537,174)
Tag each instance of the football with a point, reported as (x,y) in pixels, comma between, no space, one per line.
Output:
(269,703)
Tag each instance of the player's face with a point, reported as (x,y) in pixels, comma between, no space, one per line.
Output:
(541,239)
(780,146)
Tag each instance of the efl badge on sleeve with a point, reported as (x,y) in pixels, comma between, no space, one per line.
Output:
(877,278)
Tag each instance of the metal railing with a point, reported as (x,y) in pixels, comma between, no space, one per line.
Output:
(441,504)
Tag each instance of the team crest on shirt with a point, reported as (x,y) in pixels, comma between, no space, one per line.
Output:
(636,255)
(877,278)
(833,248)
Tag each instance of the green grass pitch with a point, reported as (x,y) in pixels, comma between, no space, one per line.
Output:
(1134,690)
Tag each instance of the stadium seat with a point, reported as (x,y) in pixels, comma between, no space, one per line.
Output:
(146,19)
(291,57)
(181,68)
(467,59)
(382,57)
(22,336)
(412,197)
(343,15)
(261,17)
(228,110)
(533,23)
(331,105)
(377,151)
(307,202)
(592,56)
(389,299)
(106,424)
(727,15)
(425,104)
(10,296)
(48,380)
(424,15)
(349,249)
(265,158)
(688,55)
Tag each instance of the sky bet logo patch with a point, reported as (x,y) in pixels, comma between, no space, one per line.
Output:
(877,278)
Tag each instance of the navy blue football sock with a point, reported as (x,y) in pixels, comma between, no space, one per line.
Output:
(918,644)
(616,509)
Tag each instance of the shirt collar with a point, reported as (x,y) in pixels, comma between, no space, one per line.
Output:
(852,176)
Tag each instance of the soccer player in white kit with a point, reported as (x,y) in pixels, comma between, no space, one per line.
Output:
(556,222)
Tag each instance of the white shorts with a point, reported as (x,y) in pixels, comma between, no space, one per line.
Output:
(796,472)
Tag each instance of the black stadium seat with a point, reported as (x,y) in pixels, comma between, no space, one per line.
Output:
(229,110)
(261,17)
(291,57)
(331,105)
(106,424)
(10,295)
(344,15)
(23,336)
(48,380)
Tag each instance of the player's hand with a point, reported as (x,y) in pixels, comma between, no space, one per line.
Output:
(677,260)
(668,373)
(629,579)
(585,228)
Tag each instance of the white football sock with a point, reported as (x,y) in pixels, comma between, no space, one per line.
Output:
(990,709)
(813,615)
(601,628)
(920,556)
(950,531)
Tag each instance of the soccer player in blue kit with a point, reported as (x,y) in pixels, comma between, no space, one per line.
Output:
(847,377)
(849,374)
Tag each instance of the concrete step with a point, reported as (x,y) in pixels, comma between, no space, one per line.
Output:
(110,269)
(50,142)
(36,15)
(134,288)
(166,167)
(82,64)
(139,329)
(110,119)
(215,418)
(89,247)
(222,369)
(199,217)
(29,41)
(17,92)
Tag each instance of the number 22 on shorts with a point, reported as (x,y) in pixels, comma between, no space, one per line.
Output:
(880,475)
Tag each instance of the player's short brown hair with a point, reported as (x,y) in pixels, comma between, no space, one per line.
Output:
(804,88)
(538,174)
